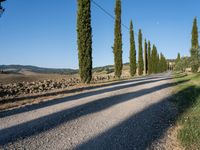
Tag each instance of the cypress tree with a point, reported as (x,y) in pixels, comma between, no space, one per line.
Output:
(195,47)
(157,63)
(132,51)
(145,57)
(195,42)
(154,59)
(149,58)
(84,40)
(165,64)
(117,49)
(162,63)
(178,58)
(140,54)
(195,59)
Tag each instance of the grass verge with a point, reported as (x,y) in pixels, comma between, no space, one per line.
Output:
(187,99)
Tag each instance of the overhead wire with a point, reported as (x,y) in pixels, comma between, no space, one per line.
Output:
(107,13)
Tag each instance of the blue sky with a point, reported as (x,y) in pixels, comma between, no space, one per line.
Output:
(43,32)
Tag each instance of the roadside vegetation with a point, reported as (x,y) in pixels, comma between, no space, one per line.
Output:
(149,59)
(187,100)
(187,94)
(193,62)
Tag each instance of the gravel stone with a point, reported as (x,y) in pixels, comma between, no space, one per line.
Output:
(130,115)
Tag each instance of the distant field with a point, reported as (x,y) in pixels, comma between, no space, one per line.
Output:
(31,77)
(187,98)
(21,74)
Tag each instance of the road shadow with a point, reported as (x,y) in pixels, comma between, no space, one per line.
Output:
(44,104)
(48,122)
(186,98)
(141,130)
(137,132)
(3,101)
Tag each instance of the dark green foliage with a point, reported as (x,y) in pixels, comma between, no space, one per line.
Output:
(195,48)
(178,58)
(84,35)
(195,59)
(157,63)
(140,54)
(154,59)
(162,63)
(183,64)
(145,57)
(117,49)
(195,42)
(133,66)
(149,58)
(166,65)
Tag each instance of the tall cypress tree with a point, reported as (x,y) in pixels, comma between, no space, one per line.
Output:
(84,40)
(133,66)
(140,54)
(163,63)
(154,59)
(178,58)
(149,58)
(195,47)
(195,42)
(145,57)
(117,49)
(157,63)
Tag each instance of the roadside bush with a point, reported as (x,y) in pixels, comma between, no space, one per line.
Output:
(183,64)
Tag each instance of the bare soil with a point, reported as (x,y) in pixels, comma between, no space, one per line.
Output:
(31,77)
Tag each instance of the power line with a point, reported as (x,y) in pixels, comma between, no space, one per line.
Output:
(107,13)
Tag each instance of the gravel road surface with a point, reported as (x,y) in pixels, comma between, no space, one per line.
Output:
(132,114)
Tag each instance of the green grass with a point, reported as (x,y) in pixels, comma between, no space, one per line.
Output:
(187,99)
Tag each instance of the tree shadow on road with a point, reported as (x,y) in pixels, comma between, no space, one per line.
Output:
(137,132)
(123,85)
(3,101)
(145,129)
(141,130)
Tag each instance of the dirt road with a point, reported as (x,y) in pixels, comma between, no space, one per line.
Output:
(133,114)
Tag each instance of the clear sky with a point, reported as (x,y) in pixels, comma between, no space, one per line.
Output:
(43,32)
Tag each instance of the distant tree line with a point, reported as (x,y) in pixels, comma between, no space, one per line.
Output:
(149,60)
